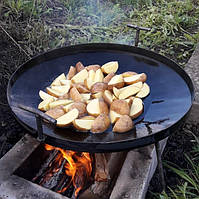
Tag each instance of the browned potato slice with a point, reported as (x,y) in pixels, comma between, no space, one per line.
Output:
(116,81)
(108,77)
(145,90)
(136,108)
(97,95)
(128,91)
(100,124)
(56,82)
(53,92)
(99,77)
(45,95)
(83,124)
(81,88)
(108,97)
(93,107)
(67,118)
(94,67)
(44,105)
(75,95)
(128,74)
(110,67)
(80,77)
(123,124)
(80,106)
(103,106)
(60,103)
(79,66)
(99,87)
(121,107)
(72,71)
(55,112)
(114,116)
(135,78)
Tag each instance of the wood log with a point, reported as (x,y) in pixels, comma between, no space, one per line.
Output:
(107,169)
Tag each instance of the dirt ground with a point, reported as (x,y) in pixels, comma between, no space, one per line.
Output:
(10,131)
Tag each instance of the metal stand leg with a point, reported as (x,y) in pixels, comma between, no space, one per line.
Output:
(160,167)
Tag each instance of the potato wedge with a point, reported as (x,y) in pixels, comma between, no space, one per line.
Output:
(56,82)
(108,77)
(135,78)
(67,119)
(136,108)
(93,107)
(83,124)
(75,95)
(97,95)
(88,82)
(86,96)
(108,97)
(94,67)
(61,89)
(81,88)
(44,105)
(53,92)
(66,107)
(99,87)
(121,107)
(79,66)
(110,67)
(114,116)
(116,92)
(80,77)
(116,81)
(123,124)
(72,72)
(145,90)
(128,74)
(59,103)
(128,91)
(43,95)
(65,96)
(65,82)
(100,124)
(88,117)
(80,106)
(99,77)
(103,106)
(55,112)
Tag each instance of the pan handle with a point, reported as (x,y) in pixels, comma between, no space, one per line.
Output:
(40,116)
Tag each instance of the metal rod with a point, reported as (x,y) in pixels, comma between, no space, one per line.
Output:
(137,35)
(37,112)
(160,167)
(41,136)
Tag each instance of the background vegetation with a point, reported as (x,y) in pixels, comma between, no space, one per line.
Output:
(40,25)
(35,26)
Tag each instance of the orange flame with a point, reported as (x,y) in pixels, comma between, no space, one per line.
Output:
(78,167)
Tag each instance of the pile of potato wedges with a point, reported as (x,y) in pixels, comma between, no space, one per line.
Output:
(91,98)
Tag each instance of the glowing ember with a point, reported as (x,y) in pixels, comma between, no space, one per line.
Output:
(78,166)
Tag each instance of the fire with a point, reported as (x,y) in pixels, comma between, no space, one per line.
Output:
(78,166)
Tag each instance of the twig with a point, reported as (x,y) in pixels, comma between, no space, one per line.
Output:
(14,41)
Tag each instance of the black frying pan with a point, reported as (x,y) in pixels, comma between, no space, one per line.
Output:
(165,108)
